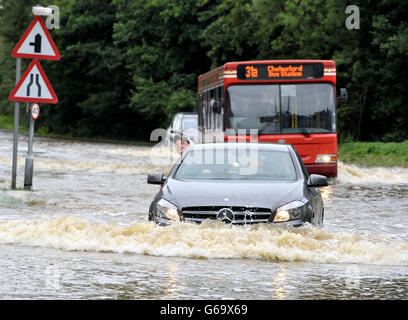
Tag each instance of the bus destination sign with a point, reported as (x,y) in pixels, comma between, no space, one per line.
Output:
(281,71)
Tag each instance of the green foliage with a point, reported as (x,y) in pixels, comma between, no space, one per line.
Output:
(230,37)
(90,79)
(375,153)
(163,55)
(161,95)
(7,122)
(128,66)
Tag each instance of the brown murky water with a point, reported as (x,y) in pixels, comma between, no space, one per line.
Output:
(82,233)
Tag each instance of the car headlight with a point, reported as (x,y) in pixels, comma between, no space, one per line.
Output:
(291,211)
(167,210)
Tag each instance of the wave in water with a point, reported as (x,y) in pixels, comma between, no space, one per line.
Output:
(352,174)
(206,241)
(90,166)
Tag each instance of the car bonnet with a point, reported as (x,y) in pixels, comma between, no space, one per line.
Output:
(260,194)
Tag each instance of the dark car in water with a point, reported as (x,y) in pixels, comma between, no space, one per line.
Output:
(238,183)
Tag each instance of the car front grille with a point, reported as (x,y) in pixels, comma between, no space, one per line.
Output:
(241,215)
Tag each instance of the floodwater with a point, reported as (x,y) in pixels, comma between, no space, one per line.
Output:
(82,233)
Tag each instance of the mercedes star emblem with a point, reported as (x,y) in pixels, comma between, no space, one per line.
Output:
(226,215)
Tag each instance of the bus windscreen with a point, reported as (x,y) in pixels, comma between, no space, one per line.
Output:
(281,108)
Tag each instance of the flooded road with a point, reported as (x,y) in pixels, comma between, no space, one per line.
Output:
(82,233)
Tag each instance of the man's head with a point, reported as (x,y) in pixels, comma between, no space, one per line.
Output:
(181,144)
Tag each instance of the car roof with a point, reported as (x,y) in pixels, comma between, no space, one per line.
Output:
(186,114)
(262,146)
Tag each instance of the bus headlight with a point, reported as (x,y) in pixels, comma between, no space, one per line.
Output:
(291,211)
(326,158)
(167,210)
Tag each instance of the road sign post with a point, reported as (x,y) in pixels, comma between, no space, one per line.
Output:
(16,124)
(29,163)
(33,110)
(36,43)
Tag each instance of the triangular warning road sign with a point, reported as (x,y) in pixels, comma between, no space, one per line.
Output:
(36,43)
(34,86)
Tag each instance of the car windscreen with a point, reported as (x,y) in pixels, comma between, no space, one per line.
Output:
(235,164)
(190,123)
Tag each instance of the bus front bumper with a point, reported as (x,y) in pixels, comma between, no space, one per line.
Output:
(326,169)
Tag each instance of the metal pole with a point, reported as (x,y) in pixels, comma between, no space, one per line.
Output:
(16,123)
(29,163)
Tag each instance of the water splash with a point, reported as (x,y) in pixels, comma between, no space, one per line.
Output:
(207,241)
(352,174)
(65,166)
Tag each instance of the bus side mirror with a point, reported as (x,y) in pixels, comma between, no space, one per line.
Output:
(343,94)
(216,106)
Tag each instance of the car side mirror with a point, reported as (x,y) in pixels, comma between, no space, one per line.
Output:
(317,180)
(156,178)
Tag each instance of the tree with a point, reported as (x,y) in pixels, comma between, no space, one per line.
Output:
(91,78)
(163,53)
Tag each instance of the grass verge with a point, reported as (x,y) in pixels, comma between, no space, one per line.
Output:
(7,122)
(381,154)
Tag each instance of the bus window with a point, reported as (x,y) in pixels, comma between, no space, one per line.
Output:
(253,107)
(211,112)
(276,108)
(205,111)
(219,115)
(308,106)
(200,110)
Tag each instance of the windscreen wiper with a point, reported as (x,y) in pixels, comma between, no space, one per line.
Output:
(305,132)
(268,121)
(265,126)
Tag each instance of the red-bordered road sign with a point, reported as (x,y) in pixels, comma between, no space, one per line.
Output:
(34,86)
(36,43)
(35,111)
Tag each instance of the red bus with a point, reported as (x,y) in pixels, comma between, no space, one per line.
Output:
(281,101)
